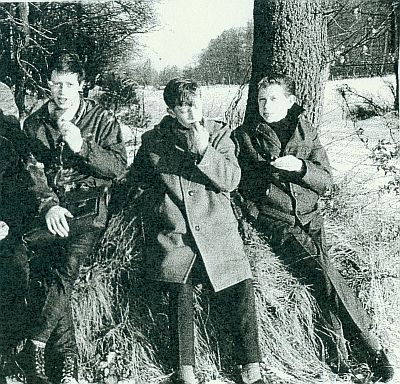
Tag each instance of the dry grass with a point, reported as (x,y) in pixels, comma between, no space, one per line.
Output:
(363,228)
(122,325)
(122,322)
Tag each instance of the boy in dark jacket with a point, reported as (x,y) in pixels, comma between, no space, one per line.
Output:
(76,152)
(285,170)
(191,233)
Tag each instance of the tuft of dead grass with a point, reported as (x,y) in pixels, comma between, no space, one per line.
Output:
(364,234)
(122,321)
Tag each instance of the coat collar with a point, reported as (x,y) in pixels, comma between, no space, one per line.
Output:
(170,129)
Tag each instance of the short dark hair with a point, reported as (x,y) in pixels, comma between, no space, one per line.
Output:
(283,80)
(180,92)
(65,61)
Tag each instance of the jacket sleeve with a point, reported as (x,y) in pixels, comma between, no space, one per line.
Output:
(106,155)
(140,172)
(318,174)
(219,163)
(38,185)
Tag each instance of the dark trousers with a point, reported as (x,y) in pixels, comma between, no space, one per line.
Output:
(238,312)
(53,272)
(14,272)
(303,250)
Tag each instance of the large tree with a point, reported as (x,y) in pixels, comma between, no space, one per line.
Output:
(290,37)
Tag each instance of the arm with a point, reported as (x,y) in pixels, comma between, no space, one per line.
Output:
(318,174)
(47,200)
(34,164)
(219,163)
(313,171)
(107,155)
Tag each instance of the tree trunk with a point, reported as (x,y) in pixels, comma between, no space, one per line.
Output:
(290,37)
(395,38)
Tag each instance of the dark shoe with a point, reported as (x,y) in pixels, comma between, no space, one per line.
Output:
(69,369)
(380,366)
(32,362)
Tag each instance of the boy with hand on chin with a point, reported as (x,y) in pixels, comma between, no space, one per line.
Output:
(76,152)
(191,234)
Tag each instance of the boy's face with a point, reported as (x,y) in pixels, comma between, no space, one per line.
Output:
(188,114)
(64,87)
(274,102)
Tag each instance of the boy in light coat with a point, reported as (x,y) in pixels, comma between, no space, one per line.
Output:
(191,232)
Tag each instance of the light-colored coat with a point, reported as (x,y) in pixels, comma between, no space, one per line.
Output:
(190,213)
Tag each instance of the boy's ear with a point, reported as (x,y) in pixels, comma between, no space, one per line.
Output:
(171,112)
(292,100)
(81,84)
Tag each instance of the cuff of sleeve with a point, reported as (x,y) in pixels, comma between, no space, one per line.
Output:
(84,152)
(47,203)
(205,160)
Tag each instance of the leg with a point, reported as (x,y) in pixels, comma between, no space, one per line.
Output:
(181,315)
(49,302)
(14,272)
(237,303)
(302,250)
(62,342)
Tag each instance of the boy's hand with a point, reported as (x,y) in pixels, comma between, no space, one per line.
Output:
(288,163)
(197,139)
(56,220)
(3,230)
(71,135)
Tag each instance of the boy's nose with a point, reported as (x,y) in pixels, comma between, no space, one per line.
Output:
(267,104)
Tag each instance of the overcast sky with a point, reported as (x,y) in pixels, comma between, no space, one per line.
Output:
(186,27)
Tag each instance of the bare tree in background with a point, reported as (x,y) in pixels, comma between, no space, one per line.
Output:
(290,37)
(101,33)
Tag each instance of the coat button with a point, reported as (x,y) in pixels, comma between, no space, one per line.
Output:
(191,193)
(295,194)
(197,228)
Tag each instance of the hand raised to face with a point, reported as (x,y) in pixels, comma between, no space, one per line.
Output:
(71,135)
(197,139)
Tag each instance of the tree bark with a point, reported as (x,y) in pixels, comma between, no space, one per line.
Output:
(290,37)
(395,37)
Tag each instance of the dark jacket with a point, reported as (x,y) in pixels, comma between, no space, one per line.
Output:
(283,195)
(190,211)
(55,169)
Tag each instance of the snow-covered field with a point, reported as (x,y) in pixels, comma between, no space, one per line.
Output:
(349,156)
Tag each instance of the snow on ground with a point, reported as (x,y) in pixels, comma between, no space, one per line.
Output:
(349,157)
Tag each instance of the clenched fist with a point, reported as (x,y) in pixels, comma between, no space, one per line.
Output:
(71,135)
(197,139)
